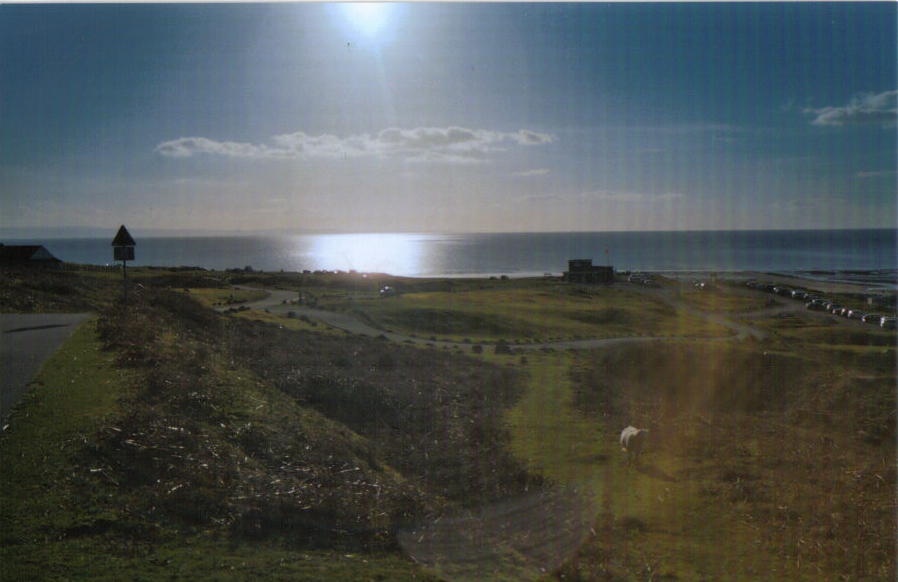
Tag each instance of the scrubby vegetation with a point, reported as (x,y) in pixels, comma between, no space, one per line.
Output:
(174,441)
(243,431)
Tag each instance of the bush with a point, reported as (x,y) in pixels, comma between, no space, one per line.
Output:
(502,348)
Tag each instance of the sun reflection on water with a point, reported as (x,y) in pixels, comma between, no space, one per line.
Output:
(397,254)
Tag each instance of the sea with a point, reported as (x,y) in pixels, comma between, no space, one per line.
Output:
(870,255)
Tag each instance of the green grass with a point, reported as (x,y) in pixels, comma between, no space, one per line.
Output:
(287,322)
(571,448)
(229,296)
(537,311)
(76,393)
(774,458)
(722,302)
(791,497)
(74,500)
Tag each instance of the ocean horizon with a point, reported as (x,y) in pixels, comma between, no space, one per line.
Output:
(510,254)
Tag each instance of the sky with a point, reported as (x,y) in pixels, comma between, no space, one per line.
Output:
(457,117)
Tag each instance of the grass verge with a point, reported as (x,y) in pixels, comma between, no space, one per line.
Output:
(76,393)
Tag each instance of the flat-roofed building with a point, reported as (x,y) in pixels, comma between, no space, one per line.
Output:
(583,271)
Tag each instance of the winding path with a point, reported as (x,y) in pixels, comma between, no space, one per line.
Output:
(280,302)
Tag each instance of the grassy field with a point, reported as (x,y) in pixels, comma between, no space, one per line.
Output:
(168,441)
(535,311)
(770,471)
(211,297)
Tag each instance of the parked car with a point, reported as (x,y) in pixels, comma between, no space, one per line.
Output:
(797,294)
(784,291)
(835,309)
(855,314)
(816,305)
(874,318)
(887,322)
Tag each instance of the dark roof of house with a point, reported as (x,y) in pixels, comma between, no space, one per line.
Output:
(24,253)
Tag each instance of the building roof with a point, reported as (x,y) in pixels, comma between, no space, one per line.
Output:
(25,253)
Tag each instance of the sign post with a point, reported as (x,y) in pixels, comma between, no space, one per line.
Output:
(123,250)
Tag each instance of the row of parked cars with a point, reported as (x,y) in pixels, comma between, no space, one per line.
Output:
(817,303)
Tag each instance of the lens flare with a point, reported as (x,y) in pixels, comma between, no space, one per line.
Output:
(367,18)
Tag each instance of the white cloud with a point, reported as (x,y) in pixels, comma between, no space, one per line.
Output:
(433,144)
(527,137)
(189,146)
(864,109)
(533,172)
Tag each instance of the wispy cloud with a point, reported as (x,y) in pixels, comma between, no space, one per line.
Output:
(630,197)
(434,144)
(604,196)
(533,172)
(863,109)
(875,174)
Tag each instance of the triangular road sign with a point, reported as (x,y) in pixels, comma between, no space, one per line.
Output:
(123,238)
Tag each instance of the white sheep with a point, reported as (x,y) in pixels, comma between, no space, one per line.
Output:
(632,440)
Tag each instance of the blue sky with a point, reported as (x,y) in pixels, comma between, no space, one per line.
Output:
(448,117)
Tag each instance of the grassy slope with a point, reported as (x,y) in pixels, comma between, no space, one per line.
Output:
(124,464)
(793,482)
(797,480)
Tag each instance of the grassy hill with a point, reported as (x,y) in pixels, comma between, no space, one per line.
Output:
(167,440)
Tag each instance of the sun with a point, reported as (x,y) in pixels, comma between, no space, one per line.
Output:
(367,18)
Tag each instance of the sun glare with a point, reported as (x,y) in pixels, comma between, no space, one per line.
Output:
(367,17)
(397,254)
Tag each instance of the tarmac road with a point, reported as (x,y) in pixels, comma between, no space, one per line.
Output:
(26,341)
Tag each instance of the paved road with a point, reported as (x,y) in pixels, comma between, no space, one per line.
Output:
(26,341)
